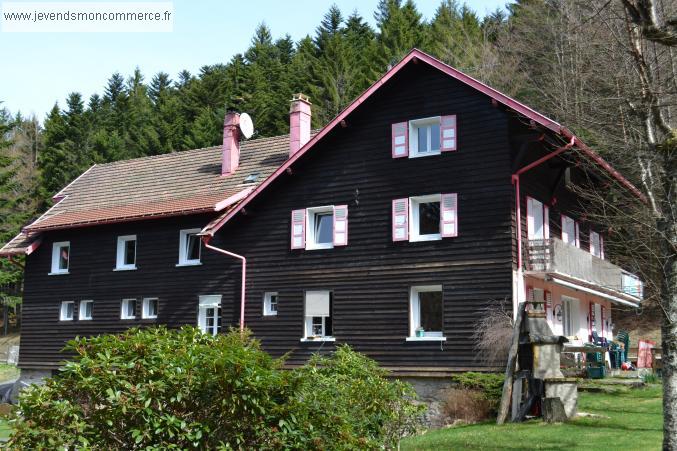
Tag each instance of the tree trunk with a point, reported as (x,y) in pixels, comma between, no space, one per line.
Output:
(669,301)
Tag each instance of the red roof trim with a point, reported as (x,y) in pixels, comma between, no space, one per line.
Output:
(213,227)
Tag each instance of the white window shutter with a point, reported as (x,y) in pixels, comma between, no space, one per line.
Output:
(530,218)
(340,225)
(400,215)
(400,140)
(449,216)
(578,236)
(565,232)
(298,229)
(448,133)
(601,246)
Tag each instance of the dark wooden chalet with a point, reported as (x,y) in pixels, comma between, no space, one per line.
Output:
(391,229)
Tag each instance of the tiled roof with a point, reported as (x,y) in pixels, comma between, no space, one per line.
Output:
(172,184)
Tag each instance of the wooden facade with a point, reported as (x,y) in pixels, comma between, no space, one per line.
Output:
(370,278)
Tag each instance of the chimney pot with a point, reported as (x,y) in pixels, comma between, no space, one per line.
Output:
(299,122)
(231,143)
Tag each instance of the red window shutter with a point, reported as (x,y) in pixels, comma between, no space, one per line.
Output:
(400,140)
(448,133)
(546,222)
(449,216)
(298,229)
(340,225)
(401,219)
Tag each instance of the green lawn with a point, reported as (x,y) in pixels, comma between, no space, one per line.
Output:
(635,422)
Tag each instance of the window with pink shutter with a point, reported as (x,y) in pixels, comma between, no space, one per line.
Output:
(449,217)
(448,133)
(298,229)
(400,140)
(400,214)
(340,225)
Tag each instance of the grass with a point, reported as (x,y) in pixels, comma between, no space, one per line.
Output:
(634,421)
(8,372)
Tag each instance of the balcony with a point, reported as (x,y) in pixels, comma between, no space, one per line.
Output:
(553,257)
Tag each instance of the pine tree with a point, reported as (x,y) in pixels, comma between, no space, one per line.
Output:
(400,30)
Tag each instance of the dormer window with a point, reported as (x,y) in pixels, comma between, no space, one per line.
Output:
(189,247)
(126,253)
(60,257)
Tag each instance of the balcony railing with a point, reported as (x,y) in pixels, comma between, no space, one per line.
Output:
(555,256)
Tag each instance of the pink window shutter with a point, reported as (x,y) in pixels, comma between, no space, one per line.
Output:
(400,219)
(448,133)
(298,229)
(400,140)
(546,222)
(449,216)
(340,225)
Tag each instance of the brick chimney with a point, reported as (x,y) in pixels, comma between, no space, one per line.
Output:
(231,143)
(299,122)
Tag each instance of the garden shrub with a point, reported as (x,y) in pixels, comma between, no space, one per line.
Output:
(180,389)
(489,385)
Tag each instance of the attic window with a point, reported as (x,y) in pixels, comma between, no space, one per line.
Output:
(252,178)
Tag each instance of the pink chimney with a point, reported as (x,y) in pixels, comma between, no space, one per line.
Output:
(231,143)
(299,122)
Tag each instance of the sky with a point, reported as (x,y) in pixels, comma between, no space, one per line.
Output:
(38,69)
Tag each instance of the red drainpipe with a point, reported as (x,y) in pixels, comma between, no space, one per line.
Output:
(516,182)
(205,240)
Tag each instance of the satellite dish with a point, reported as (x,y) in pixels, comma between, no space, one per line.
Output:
(246,125)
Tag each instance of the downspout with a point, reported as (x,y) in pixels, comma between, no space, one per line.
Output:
(205,240)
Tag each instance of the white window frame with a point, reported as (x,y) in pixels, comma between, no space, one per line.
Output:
(145,308)
(82,310)
(123,308)
(573,239)
(120,254)
(183,248)
(308,320)
(268,304)
(206,302)
(537,210)
(414,225)
(63,311)
(311,213)
(415,314)
(570,316)
(414,126)
(56,253)
(598,251)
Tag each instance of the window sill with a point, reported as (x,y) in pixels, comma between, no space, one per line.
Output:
(148,318)
(180,265)
(61,273)
(84,319)
(128,319)
(435,237)
(126,269)
(62,320)
(413,154)
(317,247)
(319,339)
(426,339)
(269,314)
